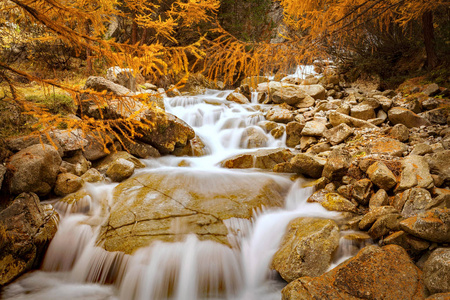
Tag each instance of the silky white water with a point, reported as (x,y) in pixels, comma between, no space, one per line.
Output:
(75,268)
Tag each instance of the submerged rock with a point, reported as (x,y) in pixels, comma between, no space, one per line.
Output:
(262,159)
(169,205)
(307,248)
(374,273)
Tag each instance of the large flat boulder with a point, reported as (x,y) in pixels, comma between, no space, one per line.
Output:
(169,205)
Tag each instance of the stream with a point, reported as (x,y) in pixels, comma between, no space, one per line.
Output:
(75,268)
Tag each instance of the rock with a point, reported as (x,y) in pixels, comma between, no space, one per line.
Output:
(362,190)
(293,133)
(78,202)
(400,132)
(33,169)
(337,118)
(67,183)
(436,271)
(314,128)
(262,159)
(381,176)
(320,147)
(431,90)
(415,172)
(337,165)
(26,229)
(332,201)
(253,137)
(308,165)
(421,149)
(440,165)
(253,81)
(374,273)
(338,134)
(437,116)
(388,146)
(373,215)
(172,91)
(16,144)
(440,296)
(399,115)
(2,174)
(120,169)
(384,225)
(418,200)
(316,91)
(103,165)
(77,164)
(100,84)
(430,103)
(307,248)
(413,245)
(92,175)
(195,147)
(238,98)
(306,142)
(433,225)
(96,147)
(363,112)
(139,149)
(123,77)
(286,93)
(278,131)
(385,102)
(169,205)
(69,140)
(280,115)
(380,198)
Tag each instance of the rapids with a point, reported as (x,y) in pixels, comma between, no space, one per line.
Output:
(75,268)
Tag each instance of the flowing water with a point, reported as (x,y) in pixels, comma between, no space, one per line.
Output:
(75,268)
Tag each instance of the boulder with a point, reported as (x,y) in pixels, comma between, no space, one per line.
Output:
(362,190)
(238,98)
(314,128)
(363,112)
(293,133)
(440,165)
(69,140)
(400,132)
(26,229)
(77,164)
(253,137)
(399,115)
(421,149)
(316,91)
(384,225)
(440,296)
(280,115)
(373,215)
(139,149)
(388,146)
(380,198)
(2,174)
(103,165)
(333,201)
(415,172)
(261,159)
(437,115)
(418,200)
(338,134)
(120,169)
(290,94)
(195,147)
(433,225)
(67,183)
(436,271)
(431,90)
(337,118)
(123,77)
(33,169)
(306,142)
(92,175)
(337,164)
(308,165)
(169,205)
(413,245)
(97,146)
(374,273)
(381,176)
(307,248)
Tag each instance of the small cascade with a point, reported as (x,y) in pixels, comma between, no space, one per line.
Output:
(254,99)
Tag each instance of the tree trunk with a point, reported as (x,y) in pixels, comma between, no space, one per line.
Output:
(88,52)
(428,36)
(134,29)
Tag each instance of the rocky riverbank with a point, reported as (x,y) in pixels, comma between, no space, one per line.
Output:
(381,159)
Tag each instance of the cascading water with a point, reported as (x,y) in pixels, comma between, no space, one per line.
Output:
(76,268)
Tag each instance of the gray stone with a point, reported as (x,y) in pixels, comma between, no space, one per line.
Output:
(418,200)
(415,172)
(338,134)
(399,115)
(433,225)
(123,77)
(421,149)
(436,271)
(431,90)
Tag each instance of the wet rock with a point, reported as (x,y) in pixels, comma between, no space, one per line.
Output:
(337,165)
(388,146)
(400,132)
(332,201)
(278,131)
(440,165)
(253,137)
(314,128)
(280,115)
(338,134)
(362,190)
(374,273)
(78,202)
(238,98)
(337,118)
(67,183)
(169,205)
(436,271)
(103,165)
(307,248)
(262,159)
(195,147)
(26,229)
(373,215)
(399,115)
(433,225)
(308,165)
(120,169)
(92,175)
(33,169)
(381,176)
(363,112)
(415,172)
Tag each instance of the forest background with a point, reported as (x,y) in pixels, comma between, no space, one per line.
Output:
(53,45)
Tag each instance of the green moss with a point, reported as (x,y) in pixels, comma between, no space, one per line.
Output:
(55,103)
